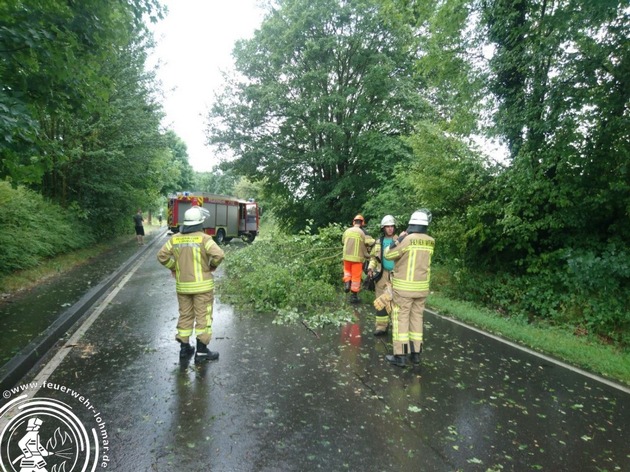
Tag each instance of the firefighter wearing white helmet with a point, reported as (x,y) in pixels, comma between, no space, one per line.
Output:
(412,253)
(380,270)
(356,244)
(192,256)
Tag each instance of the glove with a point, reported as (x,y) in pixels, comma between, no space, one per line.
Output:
(384,302)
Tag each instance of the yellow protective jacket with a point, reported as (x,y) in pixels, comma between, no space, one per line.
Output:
(191,256)
(355,244)
(412,272)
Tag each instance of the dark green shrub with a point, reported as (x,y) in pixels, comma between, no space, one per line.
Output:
(32,229)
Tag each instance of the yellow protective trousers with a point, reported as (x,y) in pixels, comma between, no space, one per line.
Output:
(195,313)
(382,317)
(407,321)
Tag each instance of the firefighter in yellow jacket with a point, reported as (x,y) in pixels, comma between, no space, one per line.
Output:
(356,244)
(412,253)
(381,268)
(192,256)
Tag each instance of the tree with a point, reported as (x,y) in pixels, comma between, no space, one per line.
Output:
(82,123)
(560,74)
(181,173)
(325,92)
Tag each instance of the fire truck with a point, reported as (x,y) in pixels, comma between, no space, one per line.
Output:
(228,218)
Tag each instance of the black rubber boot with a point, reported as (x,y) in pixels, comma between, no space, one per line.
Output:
(400,361)
(415,357)
(205,354)
(346,287)
(185,349)
(354,298)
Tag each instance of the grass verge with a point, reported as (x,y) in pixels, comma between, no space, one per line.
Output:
(581,351)
(28,278)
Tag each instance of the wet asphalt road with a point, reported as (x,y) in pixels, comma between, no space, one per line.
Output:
(285,398)
(30,312)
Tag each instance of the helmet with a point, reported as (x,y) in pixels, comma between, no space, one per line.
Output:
(195,216)
(33,424)
(360,218)
(420,217)
(388,220)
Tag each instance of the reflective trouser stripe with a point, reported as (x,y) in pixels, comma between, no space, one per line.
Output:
(195,312)
(407,324)
(382,319)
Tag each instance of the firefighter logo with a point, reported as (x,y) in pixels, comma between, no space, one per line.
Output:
(44,435)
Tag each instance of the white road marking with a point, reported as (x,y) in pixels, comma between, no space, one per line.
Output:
(577,370)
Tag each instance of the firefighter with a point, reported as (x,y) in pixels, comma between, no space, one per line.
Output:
(411,252)
(192,256)
(380,270)
(356,244)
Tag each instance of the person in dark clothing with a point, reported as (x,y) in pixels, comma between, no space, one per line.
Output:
(138,221)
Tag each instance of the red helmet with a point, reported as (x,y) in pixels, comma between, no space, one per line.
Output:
(359,218)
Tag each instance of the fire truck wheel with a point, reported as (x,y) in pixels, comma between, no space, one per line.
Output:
(248,238)
(220,236)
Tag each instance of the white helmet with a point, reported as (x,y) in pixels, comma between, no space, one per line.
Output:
(420,217)
(195,216)
(33,424)
(388,220)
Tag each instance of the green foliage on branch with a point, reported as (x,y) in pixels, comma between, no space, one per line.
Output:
(295,277)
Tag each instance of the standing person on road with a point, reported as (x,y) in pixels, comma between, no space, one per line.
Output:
(355,251)
(412,253)
(192,257)
(380,270)
(138,219)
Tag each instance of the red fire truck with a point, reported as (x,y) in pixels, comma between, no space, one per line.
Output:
(229,217)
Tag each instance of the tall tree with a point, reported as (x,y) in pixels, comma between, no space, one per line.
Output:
(561,76)
(182,173)
(77,106)
(325,91)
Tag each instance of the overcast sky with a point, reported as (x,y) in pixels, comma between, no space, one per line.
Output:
(194,43)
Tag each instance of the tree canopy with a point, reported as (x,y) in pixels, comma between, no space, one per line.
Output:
(79,113)
(324,92)
(376,106)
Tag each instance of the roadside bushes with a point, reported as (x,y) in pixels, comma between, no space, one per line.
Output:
(293,276)
(32,229)
(585,290)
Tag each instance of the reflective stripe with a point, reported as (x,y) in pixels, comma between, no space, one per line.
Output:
(208,327)
(415,336)
(185,333)
(410,286)
(170,264)
(197,264)
(411,264)
(397,336)
(195,287)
